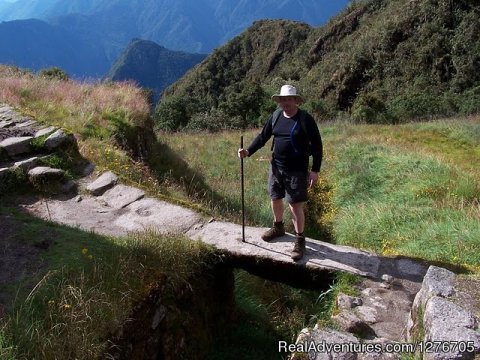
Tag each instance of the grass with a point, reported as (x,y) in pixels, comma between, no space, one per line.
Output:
(267,313)
(87,285)
(409,189)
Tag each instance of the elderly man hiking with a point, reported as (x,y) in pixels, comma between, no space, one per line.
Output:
(295,138)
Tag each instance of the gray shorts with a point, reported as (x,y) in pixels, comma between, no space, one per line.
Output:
(291,185)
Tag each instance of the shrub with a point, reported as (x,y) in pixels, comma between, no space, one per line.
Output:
(370,109)
(469,101)
(214,120)
(54,73)
(245,101)
(171,114)
(320,109)
(416,105)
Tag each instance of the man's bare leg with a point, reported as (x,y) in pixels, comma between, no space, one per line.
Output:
(277,209)
(298,216)
(278,229)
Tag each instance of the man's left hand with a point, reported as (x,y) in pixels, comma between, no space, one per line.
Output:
(312,178)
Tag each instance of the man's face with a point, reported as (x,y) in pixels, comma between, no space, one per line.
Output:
(287,103)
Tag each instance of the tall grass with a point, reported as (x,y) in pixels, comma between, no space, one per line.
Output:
(69,104)
(410,189)
(100,115)
(90,287)
(209,171)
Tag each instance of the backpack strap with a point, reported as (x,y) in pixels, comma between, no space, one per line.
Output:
(275,117)
(301,119)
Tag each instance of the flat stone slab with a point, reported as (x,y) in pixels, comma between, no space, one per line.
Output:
(45,171)
(121,195)
(27,164)
(45,131)
(17,145)
(56,139)
(93,214)
(102,183)
(26,123)
(6,123)
(7,112)
(157,215)
(319,255)
(90,214)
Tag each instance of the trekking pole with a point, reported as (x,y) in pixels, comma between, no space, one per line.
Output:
(243,197)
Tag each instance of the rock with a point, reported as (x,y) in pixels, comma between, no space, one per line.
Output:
(388,279)
(349,322)
(44,172)
(443,321)
(17,145)
(26,122)
(56,139)
(88,169)
(437,282)
(159,215)
(27,164)
(367,314)
(7,112)
(447,322)
(121,196)
(45,131)
(102,183)
(329,344)
(6,123)
(444,312)
(347,302)
(47,179)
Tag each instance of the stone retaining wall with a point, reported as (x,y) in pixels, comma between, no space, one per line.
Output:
(436,325)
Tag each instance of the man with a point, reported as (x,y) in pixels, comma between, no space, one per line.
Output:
(295,137)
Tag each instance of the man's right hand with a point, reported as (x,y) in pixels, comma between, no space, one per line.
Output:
(242,153)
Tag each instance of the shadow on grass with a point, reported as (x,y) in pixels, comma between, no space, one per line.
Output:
(167,164)
(73,269)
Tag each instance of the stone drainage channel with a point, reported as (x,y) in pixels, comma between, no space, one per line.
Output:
(401,307)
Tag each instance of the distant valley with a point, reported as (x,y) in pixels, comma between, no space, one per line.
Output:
(85,37)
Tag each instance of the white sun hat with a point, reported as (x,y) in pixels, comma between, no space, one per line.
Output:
(287,90)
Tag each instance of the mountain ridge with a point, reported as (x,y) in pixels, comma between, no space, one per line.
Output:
(151,66)
(377,61)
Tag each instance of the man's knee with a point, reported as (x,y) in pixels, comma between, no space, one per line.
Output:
(297,205)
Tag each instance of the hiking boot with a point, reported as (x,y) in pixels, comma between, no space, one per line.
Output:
(299,247)
(277,230)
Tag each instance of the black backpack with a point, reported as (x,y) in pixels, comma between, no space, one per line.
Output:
(276,116)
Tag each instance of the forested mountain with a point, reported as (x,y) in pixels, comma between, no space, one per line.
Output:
(379,61)
(152,66)
(188,25)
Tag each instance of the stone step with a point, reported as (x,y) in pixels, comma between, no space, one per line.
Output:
(17,145)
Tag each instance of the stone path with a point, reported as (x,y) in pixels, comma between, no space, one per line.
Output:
(124,209)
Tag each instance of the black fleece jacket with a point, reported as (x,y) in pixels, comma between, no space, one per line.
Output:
(291,150)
